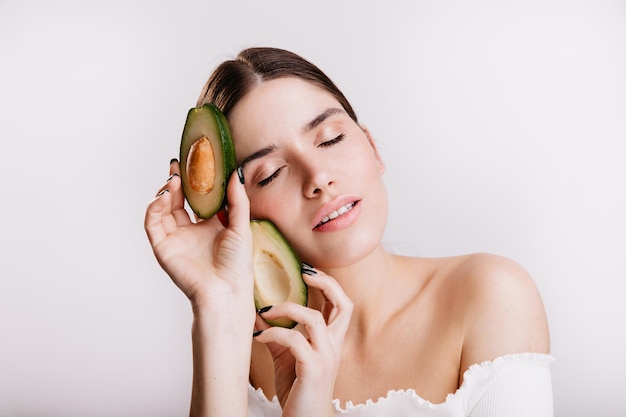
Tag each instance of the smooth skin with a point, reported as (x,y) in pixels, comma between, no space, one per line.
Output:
(212,265)
(375,321)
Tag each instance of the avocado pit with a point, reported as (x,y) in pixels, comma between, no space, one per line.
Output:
(200,167)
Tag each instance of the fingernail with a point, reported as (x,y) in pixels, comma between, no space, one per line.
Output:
(173,160)
(163,192)
(308,269)
(171,176)
(264,309)
(255,334)
(240,174)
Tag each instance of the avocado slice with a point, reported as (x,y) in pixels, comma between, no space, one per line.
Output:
(277,270)
(207,159)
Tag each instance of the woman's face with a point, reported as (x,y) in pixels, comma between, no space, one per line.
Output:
(311,170)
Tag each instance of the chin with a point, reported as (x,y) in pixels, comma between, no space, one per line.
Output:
(342,251)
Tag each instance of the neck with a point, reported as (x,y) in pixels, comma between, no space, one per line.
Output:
(372,286)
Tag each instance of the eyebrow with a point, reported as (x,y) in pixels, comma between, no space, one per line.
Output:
(321,117)
(307,128)
(258,154)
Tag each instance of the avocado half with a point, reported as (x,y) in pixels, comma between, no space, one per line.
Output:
(207,159)
(277,270)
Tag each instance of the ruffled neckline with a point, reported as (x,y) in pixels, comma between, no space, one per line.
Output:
(471,377)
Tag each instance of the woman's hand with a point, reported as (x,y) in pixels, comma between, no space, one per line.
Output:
(306,363)
(210,263)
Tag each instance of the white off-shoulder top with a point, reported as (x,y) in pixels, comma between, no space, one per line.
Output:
(516,385)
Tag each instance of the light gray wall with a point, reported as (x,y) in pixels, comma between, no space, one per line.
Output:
(502,125)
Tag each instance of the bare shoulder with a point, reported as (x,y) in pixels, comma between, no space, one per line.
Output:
(502,309)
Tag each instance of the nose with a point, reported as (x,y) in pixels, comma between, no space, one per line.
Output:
(317,180)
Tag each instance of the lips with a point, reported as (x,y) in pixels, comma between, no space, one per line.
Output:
(334,209)
(333,215)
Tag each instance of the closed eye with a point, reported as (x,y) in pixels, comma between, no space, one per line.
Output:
(332,141)
(271,178)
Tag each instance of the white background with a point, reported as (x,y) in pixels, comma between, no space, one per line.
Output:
(503,126)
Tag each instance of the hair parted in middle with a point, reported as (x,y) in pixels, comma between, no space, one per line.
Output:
(232,79)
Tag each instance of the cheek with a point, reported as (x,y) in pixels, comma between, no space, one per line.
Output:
(273,205)
(260,207)
(363,163)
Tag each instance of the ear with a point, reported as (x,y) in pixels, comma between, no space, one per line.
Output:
(370,139)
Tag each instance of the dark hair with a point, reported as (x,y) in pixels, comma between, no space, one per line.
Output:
(232,79)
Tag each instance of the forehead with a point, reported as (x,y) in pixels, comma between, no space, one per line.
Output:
(276,110)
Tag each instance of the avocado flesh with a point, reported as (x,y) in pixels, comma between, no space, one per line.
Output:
(207,159)
(277,270)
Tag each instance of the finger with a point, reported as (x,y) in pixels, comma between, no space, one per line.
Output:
(178,199)
(327,309)
(291,339)
(260,324)
(311,319)
(180,215)
(153,222)
(238,204)
(338,307)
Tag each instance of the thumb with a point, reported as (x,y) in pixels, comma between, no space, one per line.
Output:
(238,203)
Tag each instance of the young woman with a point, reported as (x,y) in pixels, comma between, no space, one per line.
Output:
(382,335)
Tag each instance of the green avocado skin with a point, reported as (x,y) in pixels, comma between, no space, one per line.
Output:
(267,237)
(228,148)
(209,121)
